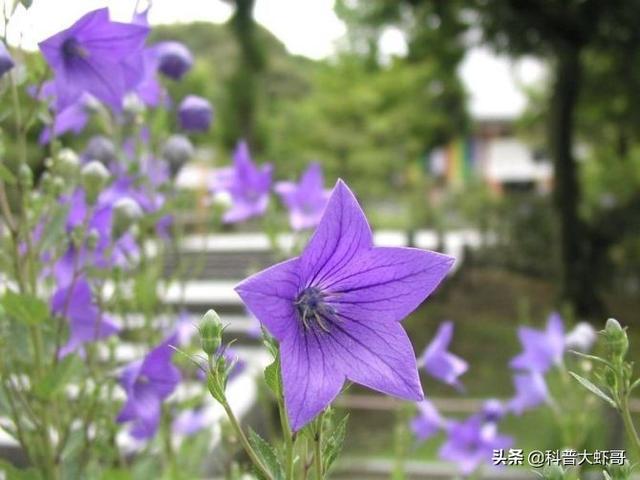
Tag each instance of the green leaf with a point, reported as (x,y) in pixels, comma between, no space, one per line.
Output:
(634,385)
(55,381)
(6,175)
(334,442)
(272,377)
(594,389)
(267,455)
(25,308)
(592,358)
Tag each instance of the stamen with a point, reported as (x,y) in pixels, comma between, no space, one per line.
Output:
(314,310)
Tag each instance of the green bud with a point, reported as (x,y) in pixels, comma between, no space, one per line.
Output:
(76,237)
(617,339)
(553,472)
(92,239)
(126,212)
(133,108)
(210,332)
(94,176)
(57,186)
(25,176)
(619,472)
(66,163)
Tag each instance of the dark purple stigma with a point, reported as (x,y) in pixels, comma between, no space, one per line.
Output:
(314,311)
(71,49)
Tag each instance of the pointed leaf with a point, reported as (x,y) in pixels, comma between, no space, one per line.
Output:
(267,455)
(57,378)
(6,175)
(273,378)
(594,389)
(334,442)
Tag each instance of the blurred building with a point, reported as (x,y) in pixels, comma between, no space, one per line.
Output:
(492,154)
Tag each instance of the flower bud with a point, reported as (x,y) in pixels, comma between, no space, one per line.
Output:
(177,151)
(92,239)
(617,339)
(57,186)
(210,332)
(126,212)
(102,149)
(195,114)
(66,163)
(25,176)
(133,107)
(174,59)
(94,176)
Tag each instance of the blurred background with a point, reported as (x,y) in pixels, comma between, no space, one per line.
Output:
(505,132)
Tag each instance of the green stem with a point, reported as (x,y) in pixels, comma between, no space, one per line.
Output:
(628,425)
(245,441)
(317,448)
(288,440)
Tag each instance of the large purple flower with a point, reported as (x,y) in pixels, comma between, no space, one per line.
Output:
(247,184)
(336,310)
(439,362)
(471,442)
(305,200)
(95,55)
(86,323)
(542,349)
(428,422)
(148,382)
(531,392)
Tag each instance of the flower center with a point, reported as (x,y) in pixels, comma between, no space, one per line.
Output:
(314,311)
(71,49)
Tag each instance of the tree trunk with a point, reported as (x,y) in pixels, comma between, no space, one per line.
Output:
(578,287)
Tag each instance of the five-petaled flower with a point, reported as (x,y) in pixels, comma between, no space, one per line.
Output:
(97,56)
(336,310)
(246,183)
(305,200)
(148,382)
(542,349)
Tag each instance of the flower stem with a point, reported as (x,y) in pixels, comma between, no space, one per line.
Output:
(245,441)
(628,424)
(317,447)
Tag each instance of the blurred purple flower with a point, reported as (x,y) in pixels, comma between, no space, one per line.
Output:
(72,118)
(86,323)
(440,363)
(148,382)
(471,442)
(195,114)
(97,56)
(531,391)
(542,349)
(6,62)
(336,310)
(247,184)
(428,422)
(174,59)
(189,422)
(305,200)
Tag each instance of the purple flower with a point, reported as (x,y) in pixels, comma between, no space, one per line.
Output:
(6,62)
(542,349)
(86,323)
(174,59)
(531,391)
(72,118)
(190,422)
(195,114)
(428,422)
(471,442)
(94,56)
(336,310)
(248,186)
(148,382)
(440,363)
(305,200)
